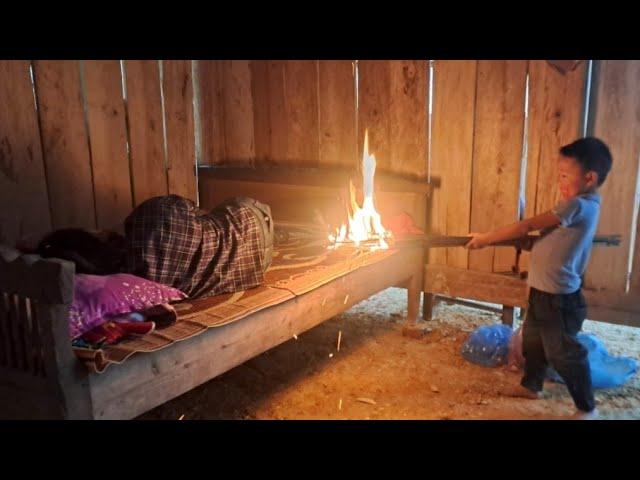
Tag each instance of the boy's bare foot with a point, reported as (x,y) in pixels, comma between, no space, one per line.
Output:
(521,392)
(580,415)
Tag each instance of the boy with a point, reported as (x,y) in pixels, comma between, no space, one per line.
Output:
(559,258)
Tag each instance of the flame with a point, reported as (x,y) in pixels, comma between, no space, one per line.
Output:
(364,222)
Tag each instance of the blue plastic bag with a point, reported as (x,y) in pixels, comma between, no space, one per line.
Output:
(607,371)
(488,345)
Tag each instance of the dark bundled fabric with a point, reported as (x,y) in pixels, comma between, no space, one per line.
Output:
(95,253)
(225,250)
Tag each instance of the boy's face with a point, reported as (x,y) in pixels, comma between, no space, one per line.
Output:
(572,179)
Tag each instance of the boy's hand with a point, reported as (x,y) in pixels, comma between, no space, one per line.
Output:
(478,240)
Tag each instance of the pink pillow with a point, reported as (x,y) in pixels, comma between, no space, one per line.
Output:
(98,297)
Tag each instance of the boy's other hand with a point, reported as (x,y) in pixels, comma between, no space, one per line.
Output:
(477,240)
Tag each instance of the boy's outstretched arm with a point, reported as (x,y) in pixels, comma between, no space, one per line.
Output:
(514,231)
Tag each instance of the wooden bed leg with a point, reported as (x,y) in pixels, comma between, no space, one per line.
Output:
(428,302)
(507,315)
(413,299)
(523,314)
(414,291)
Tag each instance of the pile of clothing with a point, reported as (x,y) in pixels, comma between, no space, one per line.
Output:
(170,250)
(495,345)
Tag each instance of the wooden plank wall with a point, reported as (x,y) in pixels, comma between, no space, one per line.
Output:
(497,153)
(454,99)
(76,152)
(145,121)
(474,156)
(65,143)
(555,108)
(303,113)
(23,190)
(617,123)
(313,114)
(88,140)
(476,153)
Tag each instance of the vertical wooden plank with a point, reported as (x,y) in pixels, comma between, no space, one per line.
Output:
(146,138)
(635,269)
(237,103)
(26,335)
(267,86)
(35,337)
(337,105)
(408,110)
(17,338)
(555,106)
(178,107)
(65,143)
(276,113)
(301,107)
(507,315)
(452,154)
(285,110)
(617,123)
(374,79)
(499,123)
(59,361)
(211,112)
(23,189)
(393,107)
(108,134)
(5,339)
(260,94)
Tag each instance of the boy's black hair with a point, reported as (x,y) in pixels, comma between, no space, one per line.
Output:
(592,154)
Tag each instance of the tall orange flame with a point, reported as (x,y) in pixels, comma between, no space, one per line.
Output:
(364,222)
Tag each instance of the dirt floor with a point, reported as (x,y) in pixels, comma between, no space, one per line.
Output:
(379,374)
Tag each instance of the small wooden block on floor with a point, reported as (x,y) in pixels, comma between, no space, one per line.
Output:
(415,331)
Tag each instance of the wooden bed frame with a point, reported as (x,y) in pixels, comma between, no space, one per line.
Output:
(40,376)
(43,378)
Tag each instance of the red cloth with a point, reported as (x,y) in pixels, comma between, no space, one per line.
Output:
(401,225)
(111,332)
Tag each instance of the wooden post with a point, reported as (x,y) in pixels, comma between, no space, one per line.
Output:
(523,314)
(428,302)
(413,299)
(414,289)
(62,390)
(68,381)
(507,315)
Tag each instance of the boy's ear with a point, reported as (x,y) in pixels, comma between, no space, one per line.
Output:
(592,178)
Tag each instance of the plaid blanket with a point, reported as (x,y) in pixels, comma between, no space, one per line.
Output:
(225,250)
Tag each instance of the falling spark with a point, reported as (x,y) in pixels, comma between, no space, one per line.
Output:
(330,355)
(295,336)
(181,417)
(339,338)
(345,299)
(340,405)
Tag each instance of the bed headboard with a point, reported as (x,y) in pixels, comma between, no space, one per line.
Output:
(298,195)
(35,351)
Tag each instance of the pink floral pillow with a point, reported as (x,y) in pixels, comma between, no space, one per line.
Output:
(98,297)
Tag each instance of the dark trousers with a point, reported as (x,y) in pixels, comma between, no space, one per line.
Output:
(549,336)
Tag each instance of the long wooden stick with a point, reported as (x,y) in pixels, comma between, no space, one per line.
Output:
(441,241)
(436,241)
